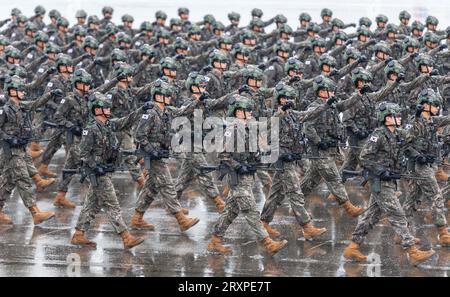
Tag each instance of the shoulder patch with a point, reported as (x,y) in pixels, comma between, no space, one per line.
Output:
(271,68)
(45,29)
(327,39)
(227,133)
(138,43)
(70,51)
(373,138)
(52,38)
(50,84)
(1,111)
(41,70)
(145,116)
(408,126)
(101,46)
(307,62)
(109,96)
(63,100)
(30,56)
(85,132)
(13,35)
(80,64)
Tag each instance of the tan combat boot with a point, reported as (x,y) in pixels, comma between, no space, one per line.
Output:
(215,245)
(352,252)
(40,216)
(42,183)
(444,236)
(62,201)
(272,232)
(44,171)
(352,210)
(185,222)
(4,219)
(130,241)
(137,221)
(309,231)
(416,256)
(140,181)
(441,175)
(220,205)
(271,246)
(79,238)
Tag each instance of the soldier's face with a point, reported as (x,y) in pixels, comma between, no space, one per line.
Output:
(325,94)
(326,18)
(304,24)
(235,22)
(430,44)
(417,33)
(392,35)
(196,37)
(326,68)
(243,115)
(393,76)
(282,100)
(14,61)
(80,38)
(163,40)
(184,16)
(218,32)
(283,54)
(63,29)
(182,51)
(167,100)
(425,69)
(431,27)
(363,38)
(295,73)
(169,72)
(82,87)
(220,65)
(93,26)
(107,15)
(248,41)
(91,51)
(127,24)
(39,44)
(160,21)
(382,56)
(285,36)
(16,94)
(81,21)
(225,46)
(393,120)
(381,24)
(339,41)
(405,22)
(176,28)
(242,57)
(255,83)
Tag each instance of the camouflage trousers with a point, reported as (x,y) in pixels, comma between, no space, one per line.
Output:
(57,140)
(189,170)
(241,200)
(326,169)
(425,190)
(384,203)
(286,184)
(159,181)
(101,197)
(73,161)
(129,162)
(352,159)
(16,174)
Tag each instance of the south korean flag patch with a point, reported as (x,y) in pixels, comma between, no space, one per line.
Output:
(1,111)
(85,132)
(373,138)
(49,85)
(145,116)
(408,126)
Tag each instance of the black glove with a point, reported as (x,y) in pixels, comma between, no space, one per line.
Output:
(430,158)
(400,77)
(180,57)
(51,70)
(242,169)
(287,105)
(388,60)
(14,142)
(386,175)
(294,78)
(203,96)
(287,158)
(362,59)
(257,47)
(57,93)
(307,48)
(419,109)
(154,155)
(414,55)
(331,100)
(348,42)
(361,134)
(442,46)
(148,105)
(76,130)
(207,69)
(262,66)
(32,48)
(99,170)
(434,72)
(274,59)
(334,72)
(98,61)
(421,159)
(323,145)
(366,89)
(245,88)
(352,25)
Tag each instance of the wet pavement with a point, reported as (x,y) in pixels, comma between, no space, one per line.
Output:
(26,250)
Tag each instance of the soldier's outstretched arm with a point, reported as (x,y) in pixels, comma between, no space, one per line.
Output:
(337,50)
(36,63)
(346,104)
(415,83)
(375,68)
(346,69)
(41,101)
(107,86)
(185,109)
(386,90)
(310,114)
(128,121)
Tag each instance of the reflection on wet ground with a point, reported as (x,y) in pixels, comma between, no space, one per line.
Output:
(26,250)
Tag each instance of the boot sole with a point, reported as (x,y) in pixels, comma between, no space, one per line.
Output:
(40,222)
(314,236)
(284,243)
(142,228)
(190,226)
(220,253)
(415,263)
(64,206)
(89,245)
(141,240)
